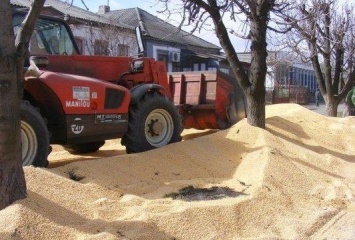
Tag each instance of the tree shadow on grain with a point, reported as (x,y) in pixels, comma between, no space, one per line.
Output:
(85,157)
(287,126)
(304,163)
(297,130)
(63,217)
(189,136)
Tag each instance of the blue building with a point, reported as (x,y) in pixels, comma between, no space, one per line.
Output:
(303,75)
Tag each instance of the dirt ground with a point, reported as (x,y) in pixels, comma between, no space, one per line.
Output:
(293,180)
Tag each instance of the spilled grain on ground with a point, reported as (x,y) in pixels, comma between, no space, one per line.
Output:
(295,179)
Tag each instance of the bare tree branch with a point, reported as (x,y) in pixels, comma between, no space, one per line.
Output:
(328,33)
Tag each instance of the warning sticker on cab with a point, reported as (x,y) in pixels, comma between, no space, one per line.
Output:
(81,93)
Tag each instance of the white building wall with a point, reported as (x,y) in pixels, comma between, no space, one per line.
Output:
(270,78)
(89,34)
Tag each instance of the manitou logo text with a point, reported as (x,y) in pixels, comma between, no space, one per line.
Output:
(84,104)
(77,128)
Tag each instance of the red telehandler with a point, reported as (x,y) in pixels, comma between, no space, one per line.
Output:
(80,101)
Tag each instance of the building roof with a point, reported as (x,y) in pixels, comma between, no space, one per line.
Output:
(152,26)
(303,66)
(74,12)
(155,28)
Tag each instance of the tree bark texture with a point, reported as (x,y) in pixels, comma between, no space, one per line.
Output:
(331,106)
(12,180)
(12,57)
(256,109)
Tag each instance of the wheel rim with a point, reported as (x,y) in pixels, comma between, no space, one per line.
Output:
(159,128)
(29,144)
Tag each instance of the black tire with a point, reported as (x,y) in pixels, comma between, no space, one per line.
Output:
(34,137)
(232,114)
(153,122)
(83,148)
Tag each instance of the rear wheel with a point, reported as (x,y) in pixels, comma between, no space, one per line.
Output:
(83,148)
(34,137)
(153,122)
(232,111)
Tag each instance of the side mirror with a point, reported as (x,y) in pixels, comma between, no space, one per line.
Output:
(139,40)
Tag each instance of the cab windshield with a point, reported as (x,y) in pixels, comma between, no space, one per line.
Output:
(49,37)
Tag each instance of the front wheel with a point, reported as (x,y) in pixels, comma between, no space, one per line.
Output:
(34,137)
(153,122)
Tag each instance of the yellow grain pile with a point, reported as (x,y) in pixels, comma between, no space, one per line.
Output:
(296,179)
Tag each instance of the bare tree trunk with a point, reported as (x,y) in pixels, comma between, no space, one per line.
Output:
(256,109)
(12,180)
(331,107)
(253,88)
(256,93)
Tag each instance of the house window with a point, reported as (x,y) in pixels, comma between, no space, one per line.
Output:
(164,58)
(36,44)
(225,70)
(101,47)
(122,50)
(80,44)
(199,67)
(176,67)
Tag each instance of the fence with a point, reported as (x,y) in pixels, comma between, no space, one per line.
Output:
(287,94)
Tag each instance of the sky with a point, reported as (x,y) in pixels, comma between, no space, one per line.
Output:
(93,5)
(152,7)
